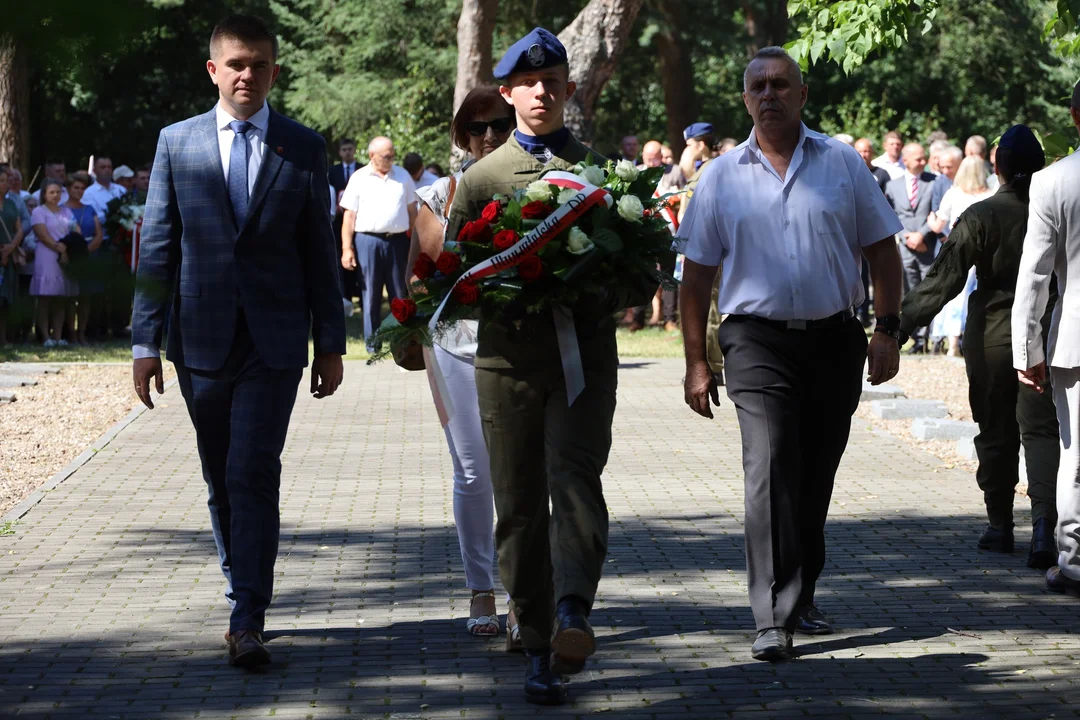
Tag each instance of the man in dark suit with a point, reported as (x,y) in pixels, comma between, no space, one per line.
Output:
(238,255)
(910,196)
(339,178)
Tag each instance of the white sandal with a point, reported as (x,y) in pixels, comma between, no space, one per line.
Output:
(481,626)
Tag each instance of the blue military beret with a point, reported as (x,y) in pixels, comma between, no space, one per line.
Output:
(536,51)
(697,130)
(1027,152)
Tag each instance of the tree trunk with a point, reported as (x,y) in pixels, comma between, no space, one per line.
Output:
(14,105)
(594,41)
(475,26)
(766,23)
(676,73)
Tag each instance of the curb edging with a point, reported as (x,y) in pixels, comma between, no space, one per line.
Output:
(72,467)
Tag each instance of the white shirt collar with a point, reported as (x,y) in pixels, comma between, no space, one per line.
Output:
(260,119)
(804,133)
(908,176)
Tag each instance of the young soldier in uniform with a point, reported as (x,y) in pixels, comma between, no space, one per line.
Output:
(541,447)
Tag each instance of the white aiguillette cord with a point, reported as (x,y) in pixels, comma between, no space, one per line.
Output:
(563,218)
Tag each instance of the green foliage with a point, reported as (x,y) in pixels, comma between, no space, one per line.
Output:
(847,32)
(1061,28)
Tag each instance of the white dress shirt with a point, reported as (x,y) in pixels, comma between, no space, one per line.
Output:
(256,137)
(381,203)
(98,196)
(894,168)
(789,249)
(426,179)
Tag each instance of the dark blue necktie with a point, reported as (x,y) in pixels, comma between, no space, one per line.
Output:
(238,169)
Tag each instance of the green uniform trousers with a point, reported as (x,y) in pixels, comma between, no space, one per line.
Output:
(1009,414)
(541,450)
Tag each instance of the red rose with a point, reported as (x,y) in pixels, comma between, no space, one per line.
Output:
(504,240)
(531,268)
(535,210)
(424,267)
(491,211)
(448,263)
(402,309)
(476,231)
(466,293)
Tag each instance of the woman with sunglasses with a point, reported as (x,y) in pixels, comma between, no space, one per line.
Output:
(483,123)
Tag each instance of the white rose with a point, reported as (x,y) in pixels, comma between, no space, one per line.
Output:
(594,175)
(538,190)
(579,243)
(626,170)
(630,208)
(566,194)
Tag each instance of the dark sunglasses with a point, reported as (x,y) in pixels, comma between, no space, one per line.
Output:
(477,128)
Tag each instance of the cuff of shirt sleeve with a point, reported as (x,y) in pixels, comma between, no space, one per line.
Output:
(142,351)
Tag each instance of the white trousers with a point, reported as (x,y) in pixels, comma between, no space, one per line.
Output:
(474,501)
(1066,383)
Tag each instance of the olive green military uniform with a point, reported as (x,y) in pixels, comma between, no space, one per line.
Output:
(541,449)
(990,236)
(712,327)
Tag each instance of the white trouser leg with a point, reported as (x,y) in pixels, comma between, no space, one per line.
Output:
(474,503)
(1066,383)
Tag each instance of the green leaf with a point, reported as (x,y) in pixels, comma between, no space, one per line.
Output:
(607,240)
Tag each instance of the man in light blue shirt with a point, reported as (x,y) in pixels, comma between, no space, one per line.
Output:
(787,217)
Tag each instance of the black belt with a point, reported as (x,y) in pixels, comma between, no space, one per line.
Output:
(829,322)
(381,236)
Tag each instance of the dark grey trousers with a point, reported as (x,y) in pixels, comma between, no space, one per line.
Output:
(795,392)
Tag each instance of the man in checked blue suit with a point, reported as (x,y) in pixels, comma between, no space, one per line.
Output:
(238,254)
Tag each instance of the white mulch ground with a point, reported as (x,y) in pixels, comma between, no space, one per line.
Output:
(52,422)
(930,377)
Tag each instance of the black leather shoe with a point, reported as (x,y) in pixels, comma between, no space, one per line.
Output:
(1057,581)
(999,541)
(772,645)
(1043,552)
(246,649)
(573,641)
(919,348)
(542,686)
(812,622)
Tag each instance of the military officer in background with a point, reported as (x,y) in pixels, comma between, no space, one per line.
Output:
(990,237)
(541,447)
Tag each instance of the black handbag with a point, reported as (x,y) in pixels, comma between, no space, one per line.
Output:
(78,253)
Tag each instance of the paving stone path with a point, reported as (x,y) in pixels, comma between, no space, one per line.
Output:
(110,598)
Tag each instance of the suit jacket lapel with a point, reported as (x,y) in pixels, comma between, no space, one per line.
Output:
(268,171)
(211,156)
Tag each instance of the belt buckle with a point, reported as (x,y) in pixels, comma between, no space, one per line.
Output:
(796,324)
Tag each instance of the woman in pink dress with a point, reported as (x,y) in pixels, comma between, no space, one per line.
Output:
(52,288)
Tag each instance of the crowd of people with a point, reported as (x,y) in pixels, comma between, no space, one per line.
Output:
(63,281)
(780,235)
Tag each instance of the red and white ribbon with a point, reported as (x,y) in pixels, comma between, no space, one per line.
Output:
(563,218)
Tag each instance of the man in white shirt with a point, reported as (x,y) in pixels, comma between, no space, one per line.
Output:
(414,165)
(54,170)
(379,206)
(890,160)
(104,189)
(1052,250)
(787,218)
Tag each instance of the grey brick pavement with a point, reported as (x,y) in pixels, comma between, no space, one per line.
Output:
(110,599)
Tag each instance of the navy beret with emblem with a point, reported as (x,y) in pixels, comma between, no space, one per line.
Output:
(536,51)
(698,129)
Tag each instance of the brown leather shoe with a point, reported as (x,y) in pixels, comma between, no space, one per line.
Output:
(246,649)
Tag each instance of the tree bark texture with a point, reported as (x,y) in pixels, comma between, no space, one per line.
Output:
(14,104)
(594,41)
(676,72)
(766,23)
(475,27)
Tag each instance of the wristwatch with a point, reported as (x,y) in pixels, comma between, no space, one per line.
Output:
(889,325)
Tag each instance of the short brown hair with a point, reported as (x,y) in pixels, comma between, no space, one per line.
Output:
(80,176)
(893,134)
(479,99)
(245,28)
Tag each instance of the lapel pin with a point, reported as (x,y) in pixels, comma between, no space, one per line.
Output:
(280,150)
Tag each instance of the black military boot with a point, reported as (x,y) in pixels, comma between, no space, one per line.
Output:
(999,540)
(542,686)
(1043,552)
(573,641)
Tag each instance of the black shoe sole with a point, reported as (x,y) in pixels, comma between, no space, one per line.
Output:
(819,631)
(1003,548)
(1042,560)
(251,659)
(773,655)
(570,649)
